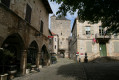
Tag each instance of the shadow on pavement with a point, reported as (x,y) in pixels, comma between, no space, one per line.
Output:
(102,71)
(105,59)
(71,70)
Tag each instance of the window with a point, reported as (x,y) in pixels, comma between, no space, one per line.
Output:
(41,26)
(50,41)
(87,29)
(61,33)
(6,2)
(101,31)
(115,35)
(55,39)
(55,46)
(28,13)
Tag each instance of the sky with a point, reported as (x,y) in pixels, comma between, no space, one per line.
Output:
(54,6)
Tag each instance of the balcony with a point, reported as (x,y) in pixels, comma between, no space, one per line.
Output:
(102,38)
(97,35)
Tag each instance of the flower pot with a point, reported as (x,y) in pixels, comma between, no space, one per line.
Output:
(3,77)
(33,68)
(11,74)
(27,71)
(40,66)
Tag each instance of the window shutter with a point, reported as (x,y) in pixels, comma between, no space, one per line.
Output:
(116,46)
(89,47)
(28,13)
(83,30)
(92,30)
(41,26)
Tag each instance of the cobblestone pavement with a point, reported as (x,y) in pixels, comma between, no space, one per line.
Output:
(102,71)
(64,69)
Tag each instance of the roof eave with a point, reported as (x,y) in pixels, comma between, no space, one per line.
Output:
(47,6)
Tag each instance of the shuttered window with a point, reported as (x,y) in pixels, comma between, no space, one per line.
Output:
(83,30)
(87,29)
(28,13)
(89,47)
(116,47)
(92,30)
(6,2)
(41,26)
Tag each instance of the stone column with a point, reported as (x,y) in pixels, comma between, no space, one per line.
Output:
(38,59)
(23,62)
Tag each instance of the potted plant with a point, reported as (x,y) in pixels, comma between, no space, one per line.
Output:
(28,68)
(4,56)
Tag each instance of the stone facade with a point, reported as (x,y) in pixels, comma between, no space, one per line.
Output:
(55,43)
(25,38)
(61,27)
(91,39)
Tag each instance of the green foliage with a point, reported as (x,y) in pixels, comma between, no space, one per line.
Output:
(28,65)
(106,11)
(5,55)
(53,58)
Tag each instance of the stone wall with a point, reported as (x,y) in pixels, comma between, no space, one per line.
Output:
(39,12)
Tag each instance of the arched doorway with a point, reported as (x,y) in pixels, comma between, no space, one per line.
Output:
(62,53)
(32,53)
(44,56)
(11,53)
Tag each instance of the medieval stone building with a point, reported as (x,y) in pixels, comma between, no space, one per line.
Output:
(92,39)
(61,27)
(55,43)
(24,32)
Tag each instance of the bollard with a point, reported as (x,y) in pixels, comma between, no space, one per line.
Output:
(86,58)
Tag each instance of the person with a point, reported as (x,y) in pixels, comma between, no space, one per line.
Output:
(86,58)
(79,60)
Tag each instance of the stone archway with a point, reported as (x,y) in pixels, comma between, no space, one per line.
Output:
(32,53)
(12,45)
(62,53)
(44,56)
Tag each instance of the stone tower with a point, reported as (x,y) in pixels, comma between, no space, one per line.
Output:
(61,27)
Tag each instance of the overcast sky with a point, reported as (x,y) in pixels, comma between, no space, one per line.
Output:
(55,6)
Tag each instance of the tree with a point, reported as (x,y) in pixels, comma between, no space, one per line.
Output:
(106,11)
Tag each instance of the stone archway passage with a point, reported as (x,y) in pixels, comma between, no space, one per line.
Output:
(44,56)
(62,54)
(32,53)
(12,45)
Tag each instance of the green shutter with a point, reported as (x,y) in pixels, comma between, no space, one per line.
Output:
(92,30)
(89,47)
(83,30)
(116,47)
